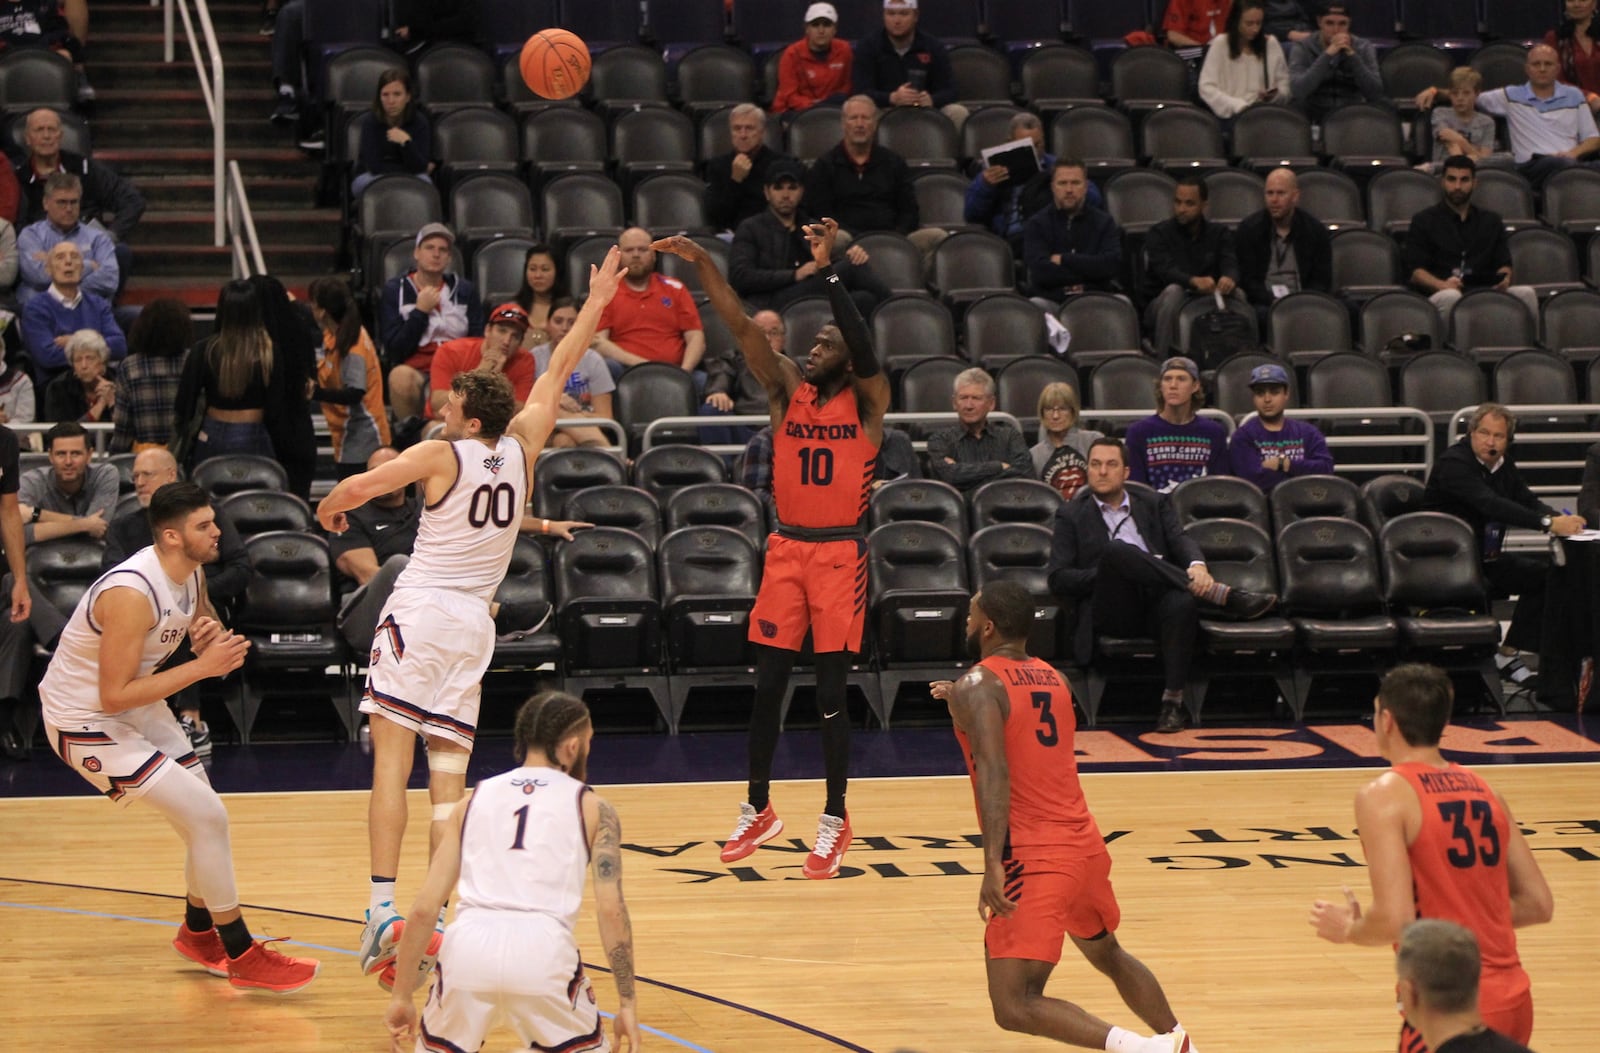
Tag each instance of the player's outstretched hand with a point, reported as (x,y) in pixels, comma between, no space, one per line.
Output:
(942,689)
(992,896)
(203,633)
(225,654)
(821,235)
(627,1030)
(1334,920)
(681,245)
(401,1020)
(604,279)
(563,528)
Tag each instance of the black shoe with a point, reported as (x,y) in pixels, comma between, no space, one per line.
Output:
(287,111)
(13,745)
(1246,606)
(1172,718)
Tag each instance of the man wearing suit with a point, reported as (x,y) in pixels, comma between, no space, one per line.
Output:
(1125,568)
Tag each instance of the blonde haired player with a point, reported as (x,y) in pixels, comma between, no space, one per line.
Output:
(435,635)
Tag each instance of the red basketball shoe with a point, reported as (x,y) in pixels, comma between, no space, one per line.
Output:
(263,969)
(833,838)
(753,830)
(203,948)
(430,958)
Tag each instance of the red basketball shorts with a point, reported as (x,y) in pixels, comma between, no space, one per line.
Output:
(816,585)
(1055,898)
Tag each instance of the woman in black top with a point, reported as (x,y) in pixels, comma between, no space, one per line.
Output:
(542,285)
(295,336)
(395,136)
(240,375)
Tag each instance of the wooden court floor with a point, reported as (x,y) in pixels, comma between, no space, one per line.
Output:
(1215,872)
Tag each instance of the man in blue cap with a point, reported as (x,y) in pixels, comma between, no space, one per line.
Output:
(1269,447)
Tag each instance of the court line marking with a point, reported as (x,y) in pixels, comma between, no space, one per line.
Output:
(793,1025)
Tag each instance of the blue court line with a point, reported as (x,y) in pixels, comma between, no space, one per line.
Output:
(683,1042)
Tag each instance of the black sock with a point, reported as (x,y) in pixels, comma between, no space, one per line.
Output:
(235,937)
(772,680)
(197,918)
(833,670)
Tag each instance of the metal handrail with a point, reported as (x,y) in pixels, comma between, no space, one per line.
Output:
(213,91)
(242,227)
(763,419)
(99,431)
(1422,438)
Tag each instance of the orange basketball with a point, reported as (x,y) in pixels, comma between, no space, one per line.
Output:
(555,64)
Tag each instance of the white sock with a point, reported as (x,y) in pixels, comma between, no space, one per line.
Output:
(382,892)
(1121,1040)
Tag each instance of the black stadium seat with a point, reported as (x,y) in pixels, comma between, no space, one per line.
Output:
(920,500)
(624,507)
(708,576)
(230,473)
(917,595)
(559,473)
(608,614)
(716,504)
(1220,497)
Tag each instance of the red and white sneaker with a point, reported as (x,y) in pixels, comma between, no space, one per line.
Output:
(753,830)
(203,948)
(430,958)
(833,838)
(263,969)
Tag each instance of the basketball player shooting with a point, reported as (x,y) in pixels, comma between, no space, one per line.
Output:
(1440,843)
(435,636)
(827,426)
(1046,871)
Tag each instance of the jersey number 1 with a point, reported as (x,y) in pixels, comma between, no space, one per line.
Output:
(498,503)
(816,466)
(1484,847)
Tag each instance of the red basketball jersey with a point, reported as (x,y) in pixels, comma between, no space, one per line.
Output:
(1049,817)
(1459,873)
(822,461)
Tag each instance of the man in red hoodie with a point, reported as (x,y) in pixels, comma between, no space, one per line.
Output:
(816,68)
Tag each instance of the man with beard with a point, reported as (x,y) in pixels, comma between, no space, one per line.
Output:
(435,637)
(653,318)
(516,862)
(106,717)
(1283,248)
(1269,447)
(1046,872)
(827,428)
(1125,567)
(1455,246)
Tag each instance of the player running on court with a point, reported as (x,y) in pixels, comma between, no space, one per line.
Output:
(106,715)
(1046,872)
(827,425)
(1440,844)
(519,846)
(435,636)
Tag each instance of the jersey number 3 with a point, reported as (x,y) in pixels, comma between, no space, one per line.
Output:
(497,503)
(1047,733)
(1484,847)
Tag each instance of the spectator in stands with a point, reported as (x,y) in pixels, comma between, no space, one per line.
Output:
(1068,247)
(1003,206)
(498,350)
(588,389)
(83,393)
(1574,39)
(226,576)
(421,310)
(1060,457)
(1454,246)
(14,658)
(1244,66)
(349,380)
(652,319)
(1550,125)
(735,180)
(1194,23)
(866,187)
(240,376)
(147,381)
(1440,970)
(1124,567)
(1282,249)
(542,285)
(418,23)
(396,136)
(1269,447)
(105,192)
(63,195)
(1175,444)
(1477,481)
(816,68)
(295,336)
(732,388)
(372,552)
(288,59)
(48,321)
(900,65)
(11,207)
(9,259)
(59,25)
(1333,67)
(771,264)
(1460,130)
(1286,20)
(17,393)
(976,449)
(1186,256)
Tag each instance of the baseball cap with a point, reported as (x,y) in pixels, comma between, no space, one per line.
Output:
(816,11)
(911,4)
(435,230)
(785,168)
(1332,7)
(1179,362)
(1270,373)
(508,314)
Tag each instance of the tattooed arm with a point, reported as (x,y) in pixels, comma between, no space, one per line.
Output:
(616,930)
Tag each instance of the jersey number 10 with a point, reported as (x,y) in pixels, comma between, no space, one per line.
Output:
(816,466)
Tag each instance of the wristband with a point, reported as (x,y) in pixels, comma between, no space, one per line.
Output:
(38,510)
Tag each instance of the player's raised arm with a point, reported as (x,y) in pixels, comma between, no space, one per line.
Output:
(975,705)
(417,462)
(871,384)
(537,418)
(616,929)
(776,373)
(444,870)
(1531,902)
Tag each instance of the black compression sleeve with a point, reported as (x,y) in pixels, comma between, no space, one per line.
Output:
(857,338)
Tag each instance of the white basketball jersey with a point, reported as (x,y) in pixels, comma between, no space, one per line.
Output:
(70,690)
(464,541)
(524,848)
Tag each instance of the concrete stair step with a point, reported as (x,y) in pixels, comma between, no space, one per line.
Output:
(146,104)
(193,227)
(242,130)
(194,192)
(200,291)
(145,45)
(147,74)
(176,260)
(122,16)
(138,163)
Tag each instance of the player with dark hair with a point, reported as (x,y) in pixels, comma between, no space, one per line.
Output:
(435,636)
(827,426)
(1440,844)
(106,716)
(1437,965)
(1046,872)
